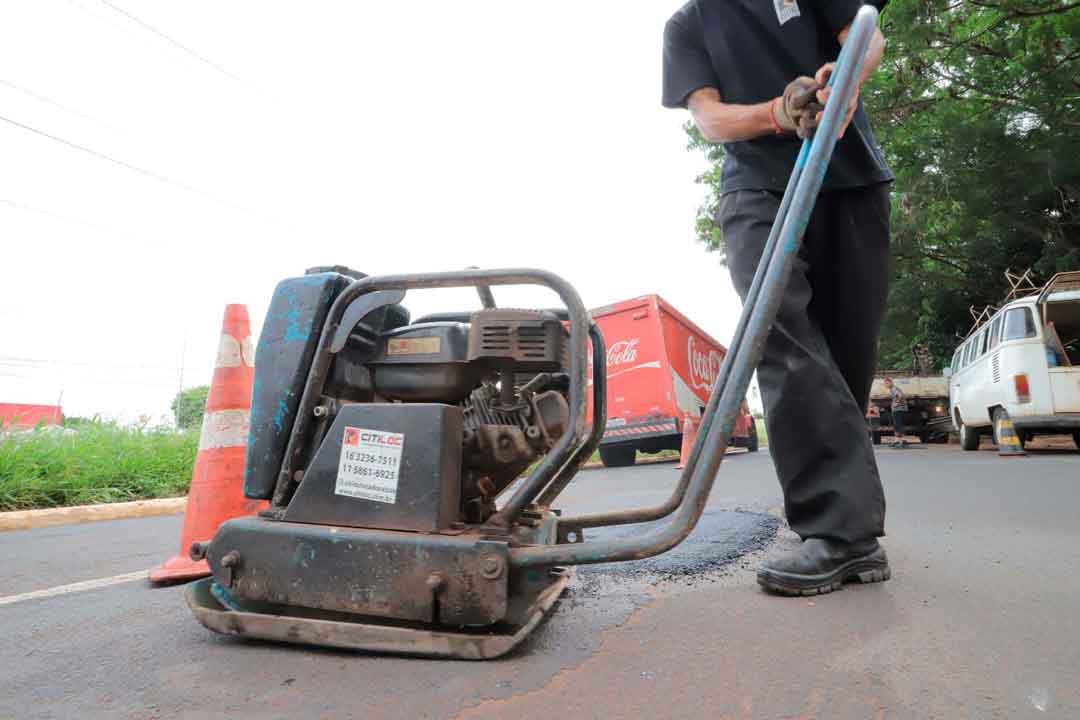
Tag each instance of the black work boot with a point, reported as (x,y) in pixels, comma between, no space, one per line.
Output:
(820,566)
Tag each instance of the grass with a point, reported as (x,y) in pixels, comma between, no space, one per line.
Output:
(100,462)
(762,433)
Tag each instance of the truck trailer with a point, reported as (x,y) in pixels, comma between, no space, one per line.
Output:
(927,394)
(661,368)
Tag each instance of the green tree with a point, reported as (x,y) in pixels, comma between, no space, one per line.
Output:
(977,107)
(189,406)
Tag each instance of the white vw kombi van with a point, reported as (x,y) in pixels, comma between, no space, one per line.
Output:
(1023,364)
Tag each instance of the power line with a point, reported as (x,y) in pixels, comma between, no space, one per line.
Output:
(49,101)
(41,363)
(62,218)
(113,378)
(201,58)
(147,173)
(115,26)
(169,384)
(172,40)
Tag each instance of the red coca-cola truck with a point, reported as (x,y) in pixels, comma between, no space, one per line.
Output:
(660,368)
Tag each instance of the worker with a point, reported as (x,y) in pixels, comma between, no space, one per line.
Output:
(753,75)
(899,407)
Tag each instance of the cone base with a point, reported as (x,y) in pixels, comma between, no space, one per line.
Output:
(179,569)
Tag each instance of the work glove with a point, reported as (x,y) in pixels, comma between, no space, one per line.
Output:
(797,109)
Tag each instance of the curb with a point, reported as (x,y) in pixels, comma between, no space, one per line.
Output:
(52,517)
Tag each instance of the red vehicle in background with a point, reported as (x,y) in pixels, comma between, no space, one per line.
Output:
(18,416)
(660,368)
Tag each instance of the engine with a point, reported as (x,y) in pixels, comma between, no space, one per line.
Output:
(504,369)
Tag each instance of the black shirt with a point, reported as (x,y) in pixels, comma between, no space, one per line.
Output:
(750,50)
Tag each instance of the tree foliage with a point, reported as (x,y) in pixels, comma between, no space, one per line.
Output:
(977,107)
(189,406)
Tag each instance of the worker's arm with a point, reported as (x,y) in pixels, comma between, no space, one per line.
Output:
(725,122)
(874,53)
(691,81)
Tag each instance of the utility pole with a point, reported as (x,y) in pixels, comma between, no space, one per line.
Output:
(180,384)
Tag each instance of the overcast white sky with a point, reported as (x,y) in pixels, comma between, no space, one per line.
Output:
(388,136)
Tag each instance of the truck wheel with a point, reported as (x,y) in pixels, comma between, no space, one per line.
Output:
(752,440)
(924,437)
(618,455)
(969,438)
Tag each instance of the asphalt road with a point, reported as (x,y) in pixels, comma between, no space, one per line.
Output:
(980,620)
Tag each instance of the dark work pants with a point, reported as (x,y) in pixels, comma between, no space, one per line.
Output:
(899,424)
(820,357)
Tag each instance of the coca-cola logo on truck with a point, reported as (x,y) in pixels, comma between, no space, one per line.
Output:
(622,352)
(704,367)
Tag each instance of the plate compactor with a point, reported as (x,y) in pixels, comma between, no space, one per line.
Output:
(391,450)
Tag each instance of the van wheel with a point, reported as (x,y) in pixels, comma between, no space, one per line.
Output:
(969,438)
(618,455)
(999,417)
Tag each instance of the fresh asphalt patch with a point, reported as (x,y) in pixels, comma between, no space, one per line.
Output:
(720,538)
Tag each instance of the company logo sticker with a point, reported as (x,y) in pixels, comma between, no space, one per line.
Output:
(370,465)
(786,10)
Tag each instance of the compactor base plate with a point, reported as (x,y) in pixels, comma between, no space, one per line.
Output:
(309,627)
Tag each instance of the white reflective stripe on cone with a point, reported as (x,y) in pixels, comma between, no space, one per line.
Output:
(247,351)
(225,428)
(229,354)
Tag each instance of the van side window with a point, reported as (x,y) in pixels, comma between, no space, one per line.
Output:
(1019,324)
(995,332)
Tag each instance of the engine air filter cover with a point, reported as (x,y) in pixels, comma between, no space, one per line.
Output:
(530,340)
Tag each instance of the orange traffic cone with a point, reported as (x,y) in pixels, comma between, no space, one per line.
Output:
(216,492)
(689,435)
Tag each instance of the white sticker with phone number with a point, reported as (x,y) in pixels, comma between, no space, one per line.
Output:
(370,464)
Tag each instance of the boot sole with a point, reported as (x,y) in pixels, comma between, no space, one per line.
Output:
(863,570)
